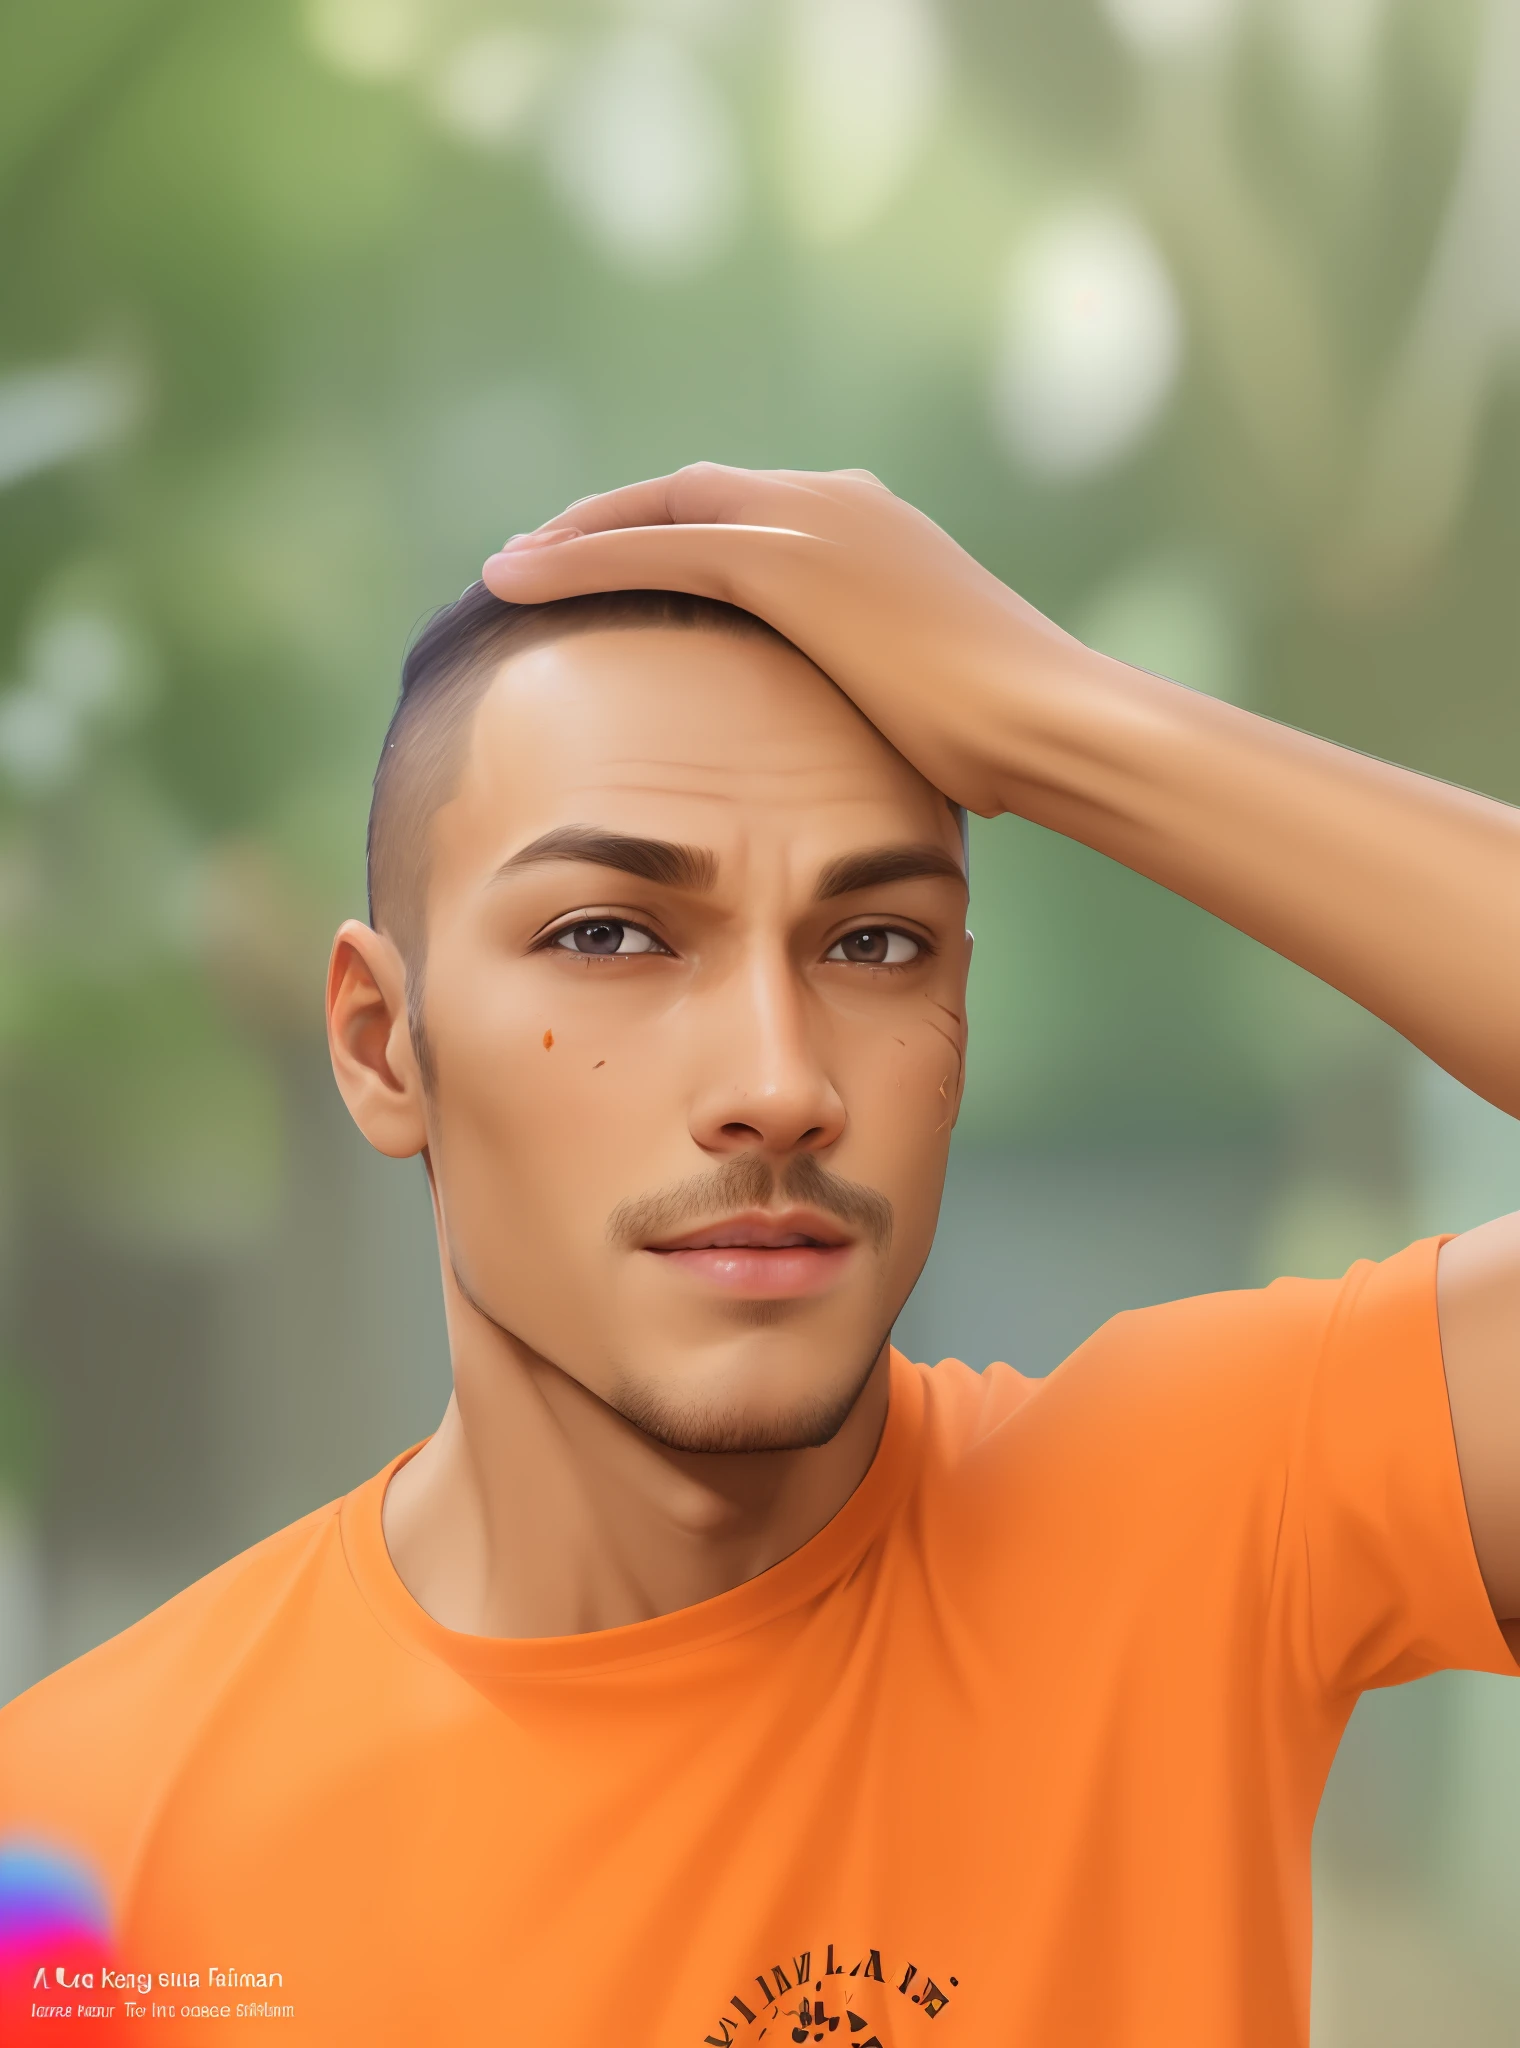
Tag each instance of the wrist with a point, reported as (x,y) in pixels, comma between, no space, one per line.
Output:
(1091,746)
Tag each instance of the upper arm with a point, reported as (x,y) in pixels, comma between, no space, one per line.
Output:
(1478,1304)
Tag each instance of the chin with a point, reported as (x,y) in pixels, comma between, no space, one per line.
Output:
(724,1420)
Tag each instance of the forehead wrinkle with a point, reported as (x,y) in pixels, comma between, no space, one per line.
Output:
(782,748)
(874,808)
(629,773)
(735,784)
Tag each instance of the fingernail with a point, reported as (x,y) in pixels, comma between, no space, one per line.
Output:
(544,537)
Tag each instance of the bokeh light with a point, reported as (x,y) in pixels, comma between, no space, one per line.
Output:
(864,80)
(1091,345)
(643,152)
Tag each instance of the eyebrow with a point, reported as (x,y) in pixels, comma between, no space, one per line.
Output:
(696,867)
(879,865)
(652,860)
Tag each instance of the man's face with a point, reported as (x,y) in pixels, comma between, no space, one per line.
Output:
(691,1108)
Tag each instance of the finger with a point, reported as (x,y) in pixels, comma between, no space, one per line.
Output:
(733,563)
(704,493)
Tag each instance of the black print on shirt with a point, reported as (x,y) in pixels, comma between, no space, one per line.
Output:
(836,2003)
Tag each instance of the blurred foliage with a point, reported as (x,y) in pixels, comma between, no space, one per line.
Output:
(310,305)
(23,1437)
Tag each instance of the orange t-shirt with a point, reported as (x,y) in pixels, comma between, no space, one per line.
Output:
(1023,1748)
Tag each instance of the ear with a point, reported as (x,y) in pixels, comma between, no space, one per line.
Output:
(370,1041)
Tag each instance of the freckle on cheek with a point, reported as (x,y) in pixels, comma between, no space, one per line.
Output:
(548,1040)
(600,1063)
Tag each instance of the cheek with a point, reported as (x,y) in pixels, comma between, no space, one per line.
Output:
(908,1066)
(902,1089)
(540,1115)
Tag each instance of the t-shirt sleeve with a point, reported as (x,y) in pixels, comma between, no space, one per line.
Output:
(1389,1582)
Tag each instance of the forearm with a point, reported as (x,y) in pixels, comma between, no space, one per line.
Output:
(1397,889)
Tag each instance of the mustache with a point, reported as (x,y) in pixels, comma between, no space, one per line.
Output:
(750,1182)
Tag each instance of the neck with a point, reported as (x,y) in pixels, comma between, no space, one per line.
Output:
(537,1510)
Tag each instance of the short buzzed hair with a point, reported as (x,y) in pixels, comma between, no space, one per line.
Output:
(447,671)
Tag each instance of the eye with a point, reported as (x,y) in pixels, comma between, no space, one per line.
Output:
(876,945)
(606,938)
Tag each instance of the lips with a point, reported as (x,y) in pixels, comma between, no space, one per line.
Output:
(761,1257)
(791,1231)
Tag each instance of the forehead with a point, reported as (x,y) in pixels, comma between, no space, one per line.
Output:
(677,733)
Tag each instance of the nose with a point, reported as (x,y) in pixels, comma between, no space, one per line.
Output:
(764,1084)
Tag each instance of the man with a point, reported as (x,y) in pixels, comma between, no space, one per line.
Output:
(713,1674)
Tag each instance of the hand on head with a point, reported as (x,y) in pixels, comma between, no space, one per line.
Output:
(929,644)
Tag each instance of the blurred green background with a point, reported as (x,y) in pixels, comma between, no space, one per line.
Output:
(1195,319)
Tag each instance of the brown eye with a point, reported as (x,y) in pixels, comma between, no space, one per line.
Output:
(875,946)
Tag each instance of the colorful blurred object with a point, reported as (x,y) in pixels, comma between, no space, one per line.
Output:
(56,1955)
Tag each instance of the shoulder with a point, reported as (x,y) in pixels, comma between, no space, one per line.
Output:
(1215,1383)
(1209,1393)
(83,1751)
(1249,1356)
(1207,1347)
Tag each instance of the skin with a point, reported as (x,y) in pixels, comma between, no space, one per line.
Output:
(636,1429)
(1401,891)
